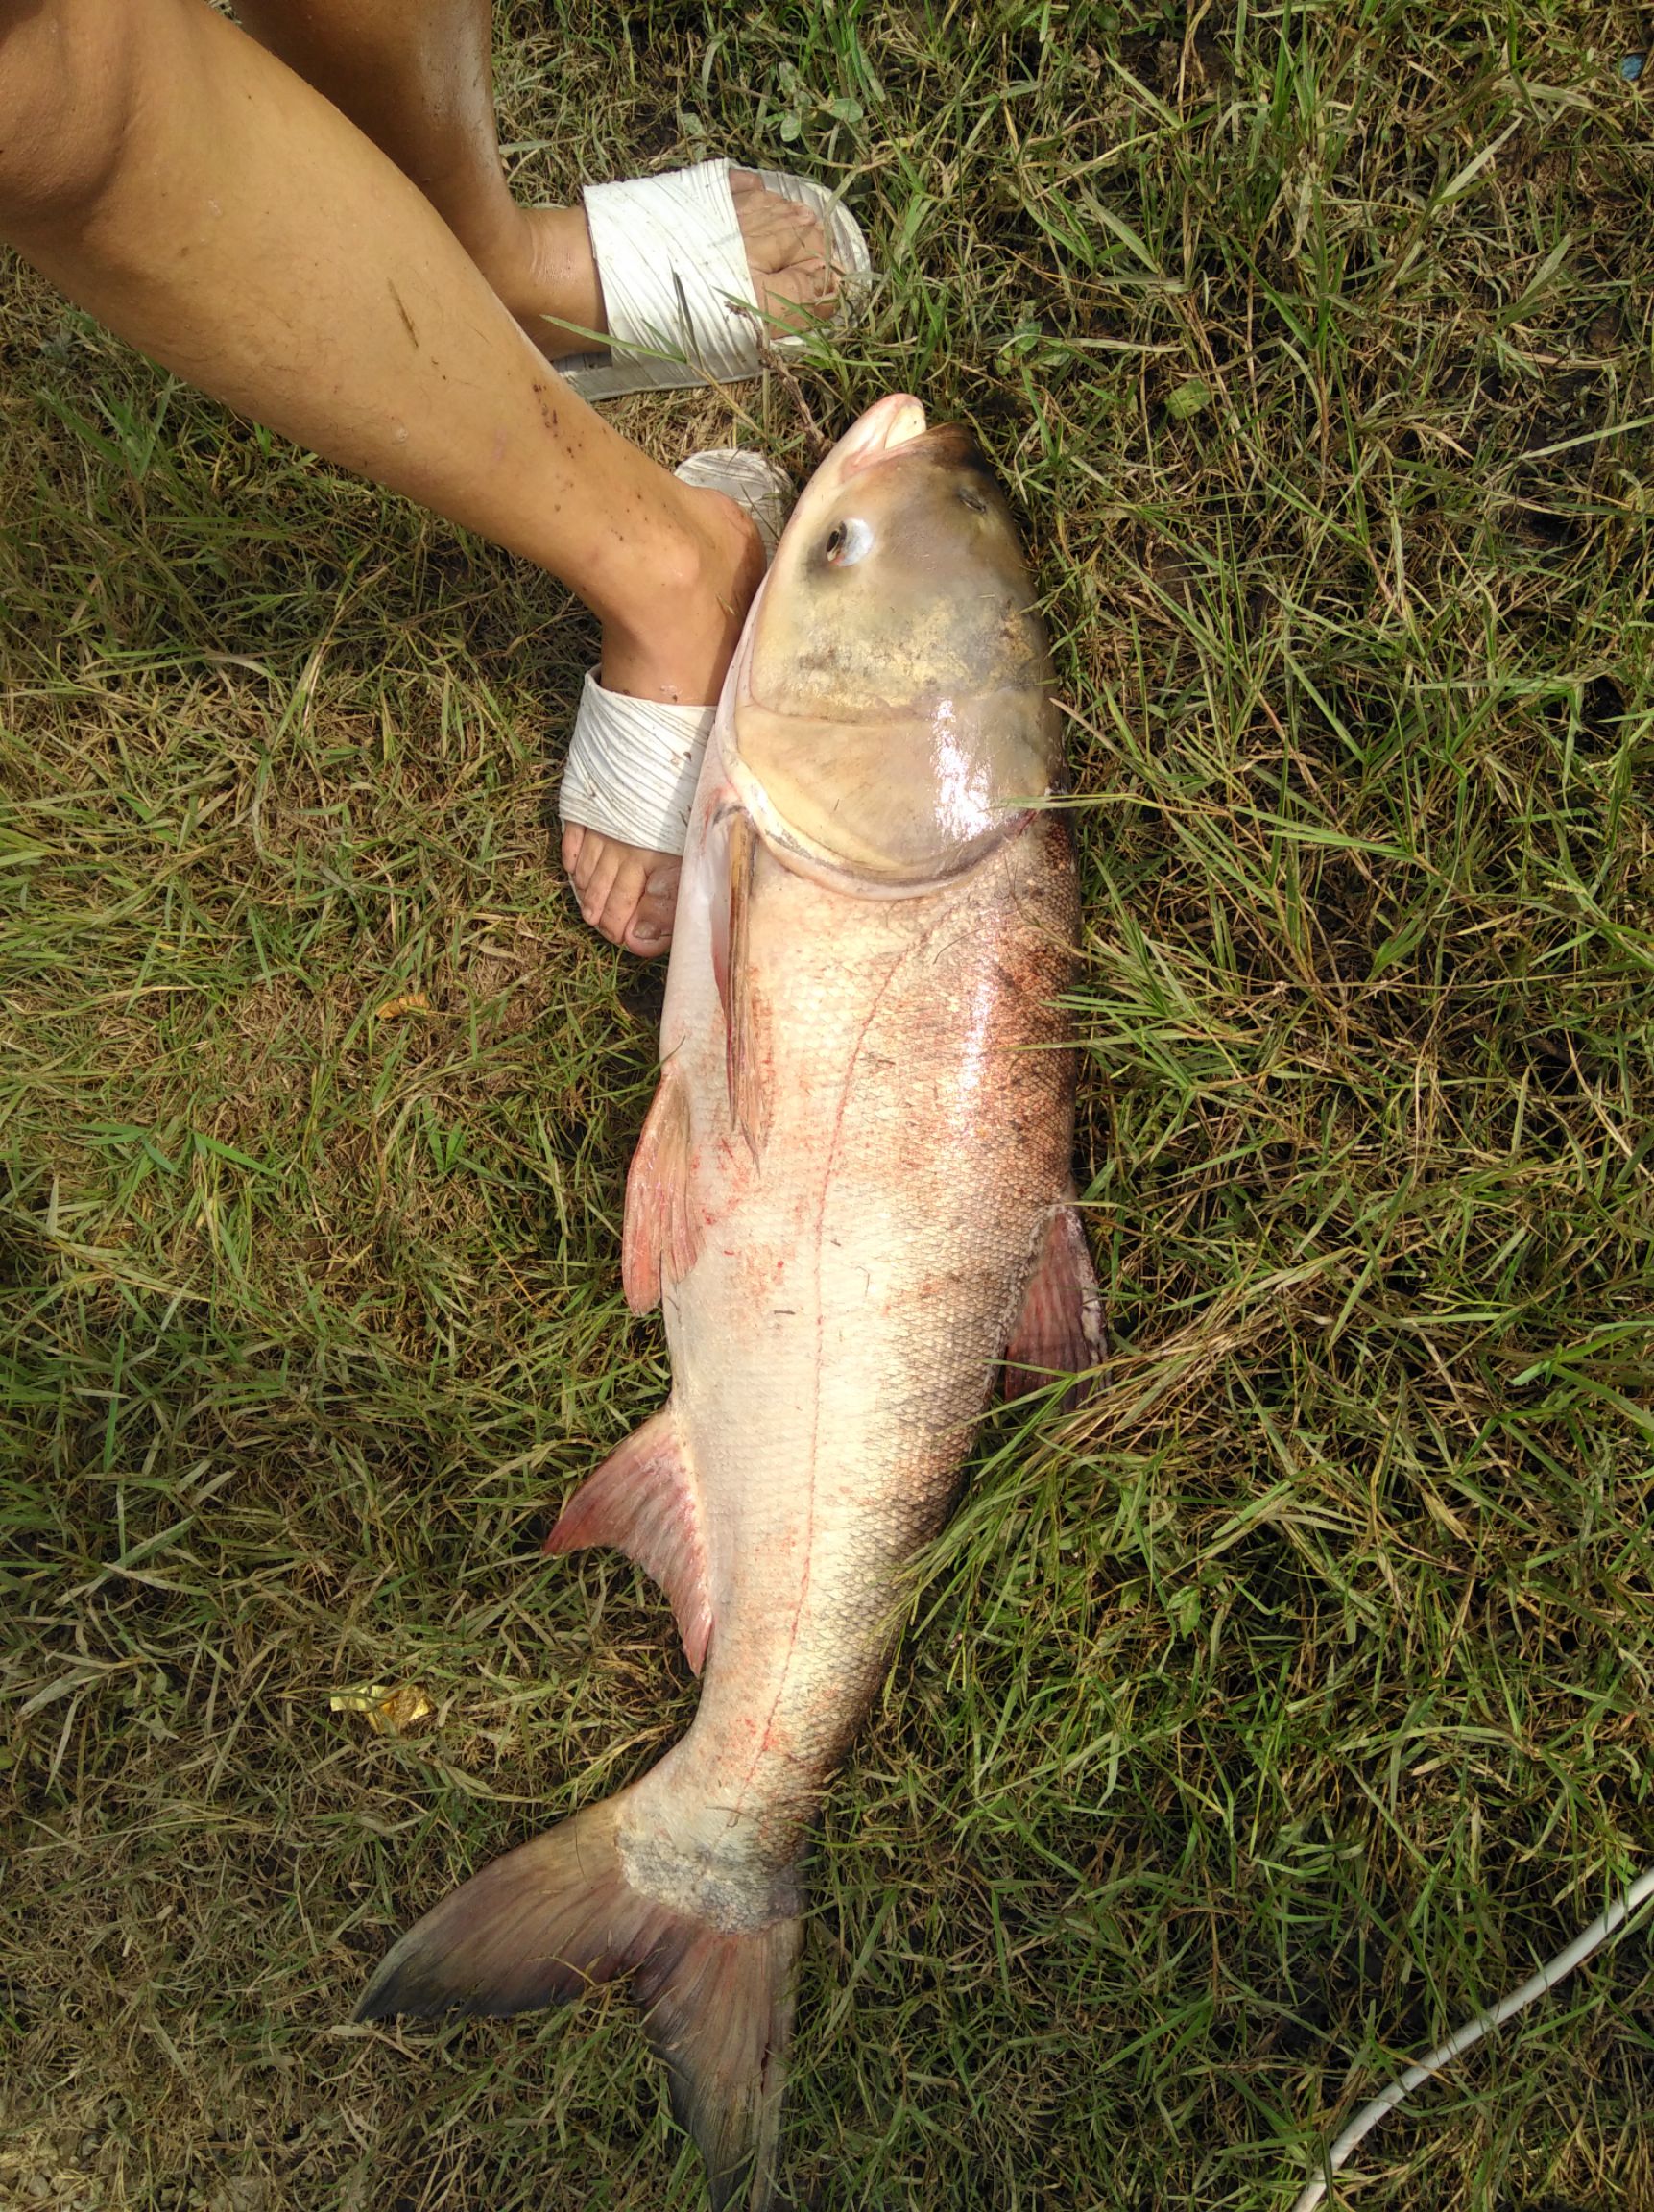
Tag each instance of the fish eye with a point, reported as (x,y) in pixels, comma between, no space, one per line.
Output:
(847,542)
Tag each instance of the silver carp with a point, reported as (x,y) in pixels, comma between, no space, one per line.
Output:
(851,1197)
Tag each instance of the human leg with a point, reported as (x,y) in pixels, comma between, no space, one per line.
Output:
(210,207)
(416,75)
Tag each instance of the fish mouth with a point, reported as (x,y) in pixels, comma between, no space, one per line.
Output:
(896,428)
(891,422)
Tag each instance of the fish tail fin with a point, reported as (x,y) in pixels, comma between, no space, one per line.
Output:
(558,1916)
(719,2011)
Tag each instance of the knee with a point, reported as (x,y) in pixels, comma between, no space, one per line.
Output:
(67,94)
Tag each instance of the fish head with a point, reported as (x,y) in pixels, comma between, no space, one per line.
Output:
(892,716)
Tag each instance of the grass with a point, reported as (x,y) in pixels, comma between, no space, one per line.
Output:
(1255,1726)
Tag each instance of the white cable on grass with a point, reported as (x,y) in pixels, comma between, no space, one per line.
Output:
(1460,2040)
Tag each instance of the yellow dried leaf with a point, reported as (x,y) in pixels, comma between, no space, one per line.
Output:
(389,1711)
(410,1002)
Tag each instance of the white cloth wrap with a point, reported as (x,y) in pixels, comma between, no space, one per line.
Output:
(671,259)
(678,291)
(634,763)
(633,767)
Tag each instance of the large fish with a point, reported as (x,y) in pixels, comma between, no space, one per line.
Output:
(852,1196)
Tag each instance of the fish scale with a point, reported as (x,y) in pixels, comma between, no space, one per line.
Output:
(834,1409)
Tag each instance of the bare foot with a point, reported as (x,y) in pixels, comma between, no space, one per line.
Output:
(679,650)
(546,274)
(628,895)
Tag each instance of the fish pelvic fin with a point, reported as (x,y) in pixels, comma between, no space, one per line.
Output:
(645,1501)
(1059,1328)
(559,1917)
(662,1238)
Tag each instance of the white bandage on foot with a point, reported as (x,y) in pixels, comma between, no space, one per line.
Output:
(678,293)
(633,764)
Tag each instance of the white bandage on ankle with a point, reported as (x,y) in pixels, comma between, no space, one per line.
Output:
(633,764)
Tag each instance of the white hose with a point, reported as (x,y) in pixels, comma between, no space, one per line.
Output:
(1549,1976)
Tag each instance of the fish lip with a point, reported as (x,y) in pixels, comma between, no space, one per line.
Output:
(895,430)
(886,426)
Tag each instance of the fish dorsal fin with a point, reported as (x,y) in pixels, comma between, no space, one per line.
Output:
(663,1233)
(1060,1329)
(644,1499)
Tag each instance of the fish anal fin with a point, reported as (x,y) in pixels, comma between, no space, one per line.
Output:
(1060,1329)
(746,1012)
(662,1237)
(561,1915)
(645,1501)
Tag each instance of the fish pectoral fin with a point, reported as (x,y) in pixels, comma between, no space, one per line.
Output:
(1060,1329)
(644,1499)
(662,1237)
(745,1020)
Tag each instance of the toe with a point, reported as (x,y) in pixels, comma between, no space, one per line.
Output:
(627,894)
(782,245)
(786,246)
(594,888)
(649,932)
(800,292)
(780,232)
(613,918)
